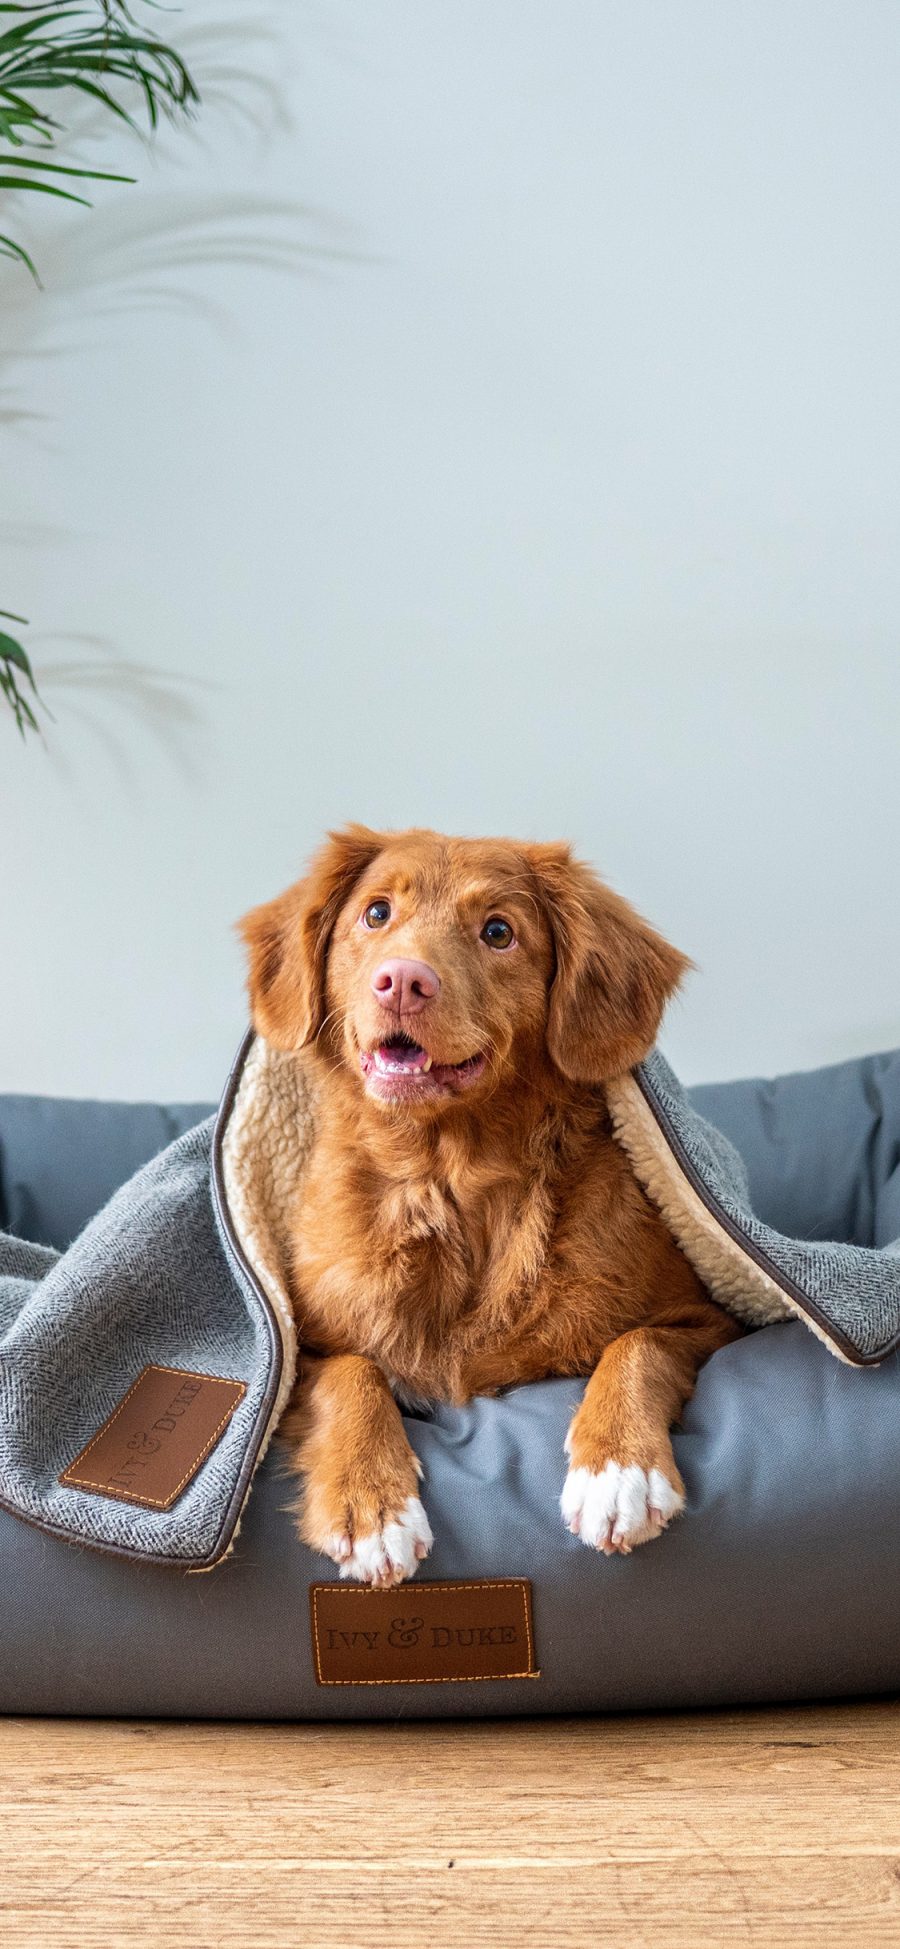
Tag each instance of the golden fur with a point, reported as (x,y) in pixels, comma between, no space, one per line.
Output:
(483,1227)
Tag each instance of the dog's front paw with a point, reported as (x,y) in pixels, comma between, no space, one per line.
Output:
(616,1507)
(387,1554)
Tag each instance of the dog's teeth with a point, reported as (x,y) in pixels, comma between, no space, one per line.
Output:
(387,1068)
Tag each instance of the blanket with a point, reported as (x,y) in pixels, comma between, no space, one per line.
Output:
(144,1370)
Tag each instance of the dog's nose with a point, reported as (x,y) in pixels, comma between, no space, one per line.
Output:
(405,986)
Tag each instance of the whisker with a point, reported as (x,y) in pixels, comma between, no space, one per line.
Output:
(330,1017)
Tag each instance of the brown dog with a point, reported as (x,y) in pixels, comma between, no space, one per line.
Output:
(467,1220)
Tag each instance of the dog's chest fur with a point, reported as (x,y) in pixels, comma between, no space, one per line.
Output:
(470,1269)
(421,1268)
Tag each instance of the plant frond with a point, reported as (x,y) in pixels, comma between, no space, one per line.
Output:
(14,663)
(9,247)
(96,48)
(44,189)
(64,169)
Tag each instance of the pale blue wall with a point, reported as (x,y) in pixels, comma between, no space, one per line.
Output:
(562,500)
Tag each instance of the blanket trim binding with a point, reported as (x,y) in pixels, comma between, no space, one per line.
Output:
(799,1301)
(263,1425)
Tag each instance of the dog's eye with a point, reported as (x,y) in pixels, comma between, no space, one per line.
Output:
(377,913)
(497,932)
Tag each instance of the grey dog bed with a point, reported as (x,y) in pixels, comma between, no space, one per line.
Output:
(779,1581)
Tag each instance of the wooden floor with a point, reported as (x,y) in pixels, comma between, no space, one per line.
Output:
(775,1827)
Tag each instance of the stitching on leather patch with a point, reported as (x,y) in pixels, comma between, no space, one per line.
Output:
(154,1441)
(422,1633)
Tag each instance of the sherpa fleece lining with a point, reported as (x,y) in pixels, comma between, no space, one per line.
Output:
(265,1148)
(730,1275)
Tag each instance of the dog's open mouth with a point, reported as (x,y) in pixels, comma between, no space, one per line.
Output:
(401,1067)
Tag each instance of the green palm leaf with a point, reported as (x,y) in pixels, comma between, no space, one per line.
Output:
(92,47)
(14,662)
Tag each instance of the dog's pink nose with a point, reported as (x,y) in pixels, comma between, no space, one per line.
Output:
(405,986)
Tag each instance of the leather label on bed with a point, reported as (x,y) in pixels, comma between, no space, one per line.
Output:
(422,1634)
(153,1443)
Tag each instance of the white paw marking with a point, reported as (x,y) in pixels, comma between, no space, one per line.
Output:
(616,1508)
(386,1556)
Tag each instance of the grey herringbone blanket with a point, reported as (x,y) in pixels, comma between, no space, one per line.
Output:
(182,1274)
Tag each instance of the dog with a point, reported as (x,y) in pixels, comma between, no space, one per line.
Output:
(467,1220)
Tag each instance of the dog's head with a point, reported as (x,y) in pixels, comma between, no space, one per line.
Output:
(436,968)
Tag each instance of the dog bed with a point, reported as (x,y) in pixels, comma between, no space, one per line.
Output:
(779,1581)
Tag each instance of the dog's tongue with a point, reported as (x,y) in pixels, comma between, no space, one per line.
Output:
(405,1055)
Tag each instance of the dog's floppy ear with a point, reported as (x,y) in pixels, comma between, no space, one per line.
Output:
(287,939)
(614,974)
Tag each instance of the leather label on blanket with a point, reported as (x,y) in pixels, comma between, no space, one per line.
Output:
(153,1443)
(422,1634)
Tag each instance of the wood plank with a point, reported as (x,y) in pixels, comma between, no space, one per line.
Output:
(774,1827)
